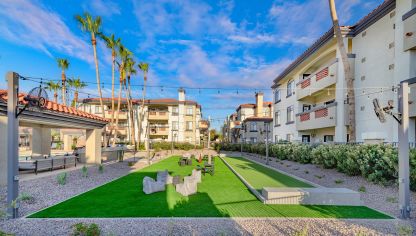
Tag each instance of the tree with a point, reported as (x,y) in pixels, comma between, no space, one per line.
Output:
(63,64)
(349,77)
(92,25)
(130,68)
(144,67)
(111,44)
(53,87)
(214,135)
(76,84)
(124,54)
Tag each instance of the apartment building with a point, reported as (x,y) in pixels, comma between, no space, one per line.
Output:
(165,119)
(249,122)
(310,102)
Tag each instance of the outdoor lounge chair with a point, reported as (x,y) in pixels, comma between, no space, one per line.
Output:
(164,177)
(152,186)
(188,187)
(197,175)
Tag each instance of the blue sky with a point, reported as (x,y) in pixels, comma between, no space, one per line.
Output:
(190,43)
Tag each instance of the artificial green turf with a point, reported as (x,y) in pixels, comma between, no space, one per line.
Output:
(221,195)
(259,176)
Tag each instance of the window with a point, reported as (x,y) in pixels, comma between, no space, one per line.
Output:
(189,125)
(98,109)
(290,115)
(289,137)
(253,126)
(253,140)
(277,96)
(277,118)
(306,107)
(290,88)
(175,125)
(189,111)
(175,111)
(277,138)
(328,138)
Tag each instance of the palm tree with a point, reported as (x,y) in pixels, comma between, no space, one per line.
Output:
(63,64)
(349,77)
(144,67)
(130,68)
(53,87)
(111,44)
(92,25)
(123,53)
(76,84)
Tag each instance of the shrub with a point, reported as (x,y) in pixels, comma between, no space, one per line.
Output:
(82,229)
(101,168)
(5,234)
(84,171)
(362,189)
(26,197)
(376,163)
(158,146)
(61,178)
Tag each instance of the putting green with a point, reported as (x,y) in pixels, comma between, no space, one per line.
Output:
(259,176)
(220,195)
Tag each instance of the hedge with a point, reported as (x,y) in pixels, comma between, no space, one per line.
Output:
(376,163)
(157,146)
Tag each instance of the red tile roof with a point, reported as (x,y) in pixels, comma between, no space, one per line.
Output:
(55,107)
(146,101)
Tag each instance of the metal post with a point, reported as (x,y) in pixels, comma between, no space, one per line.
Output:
(404,191)
(148,137)
(12,144)
(267,143)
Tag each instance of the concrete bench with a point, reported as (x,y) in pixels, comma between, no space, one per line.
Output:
(312,196)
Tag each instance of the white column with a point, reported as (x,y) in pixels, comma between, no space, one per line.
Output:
(3,153)
(41,141)
(93,146)
(412,130)
(67,142)
(340,96)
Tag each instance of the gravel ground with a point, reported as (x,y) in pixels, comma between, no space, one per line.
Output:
(46,192)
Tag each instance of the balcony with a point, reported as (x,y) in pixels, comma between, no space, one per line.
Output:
(159,115)
(122,115)
(317,81)
(121,131)
(317,117)
(409,31)
(159,131)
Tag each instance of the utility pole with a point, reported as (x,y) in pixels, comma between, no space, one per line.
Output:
(12,79)
(404,189)
(148,136)
(241,138)
(171,136)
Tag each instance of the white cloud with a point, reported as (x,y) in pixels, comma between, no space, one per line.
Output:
(27,23)
(106,9)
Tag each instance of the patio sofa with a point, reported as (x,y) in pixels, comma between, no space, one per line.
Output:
(190,184)
(152,186)
(50,164)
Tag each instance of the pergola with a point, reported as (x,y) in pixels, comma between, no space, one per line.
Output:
(41,120)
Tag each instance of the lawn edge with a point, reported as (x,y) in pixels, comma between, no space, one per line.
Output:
(89,190)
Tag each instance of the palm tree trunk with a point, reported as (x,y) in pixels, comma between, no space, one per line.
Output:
(141,115)
(97,75)
(55,96)
(76,99)
(115,129)
(349,78)
(130,103)
(63,87)
(113,59)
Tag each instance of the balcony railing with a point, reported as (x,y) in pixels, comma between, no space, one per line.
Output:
(122,114)
(159,130)
(322,78)
(158,115)
(409,22)
(318,117)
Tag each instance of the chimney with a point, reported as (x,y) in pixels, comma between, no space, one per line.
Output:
(259,105)
(181,94)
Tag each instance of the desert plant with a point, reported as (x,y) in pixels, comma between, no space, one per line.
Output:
(83,229)
(339,181)
(404,230)
(26,197)
(61,178)
(84,171)
(303,232)
(2,233)
(130,163)
(391,199)
(362,189)
(101,168)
